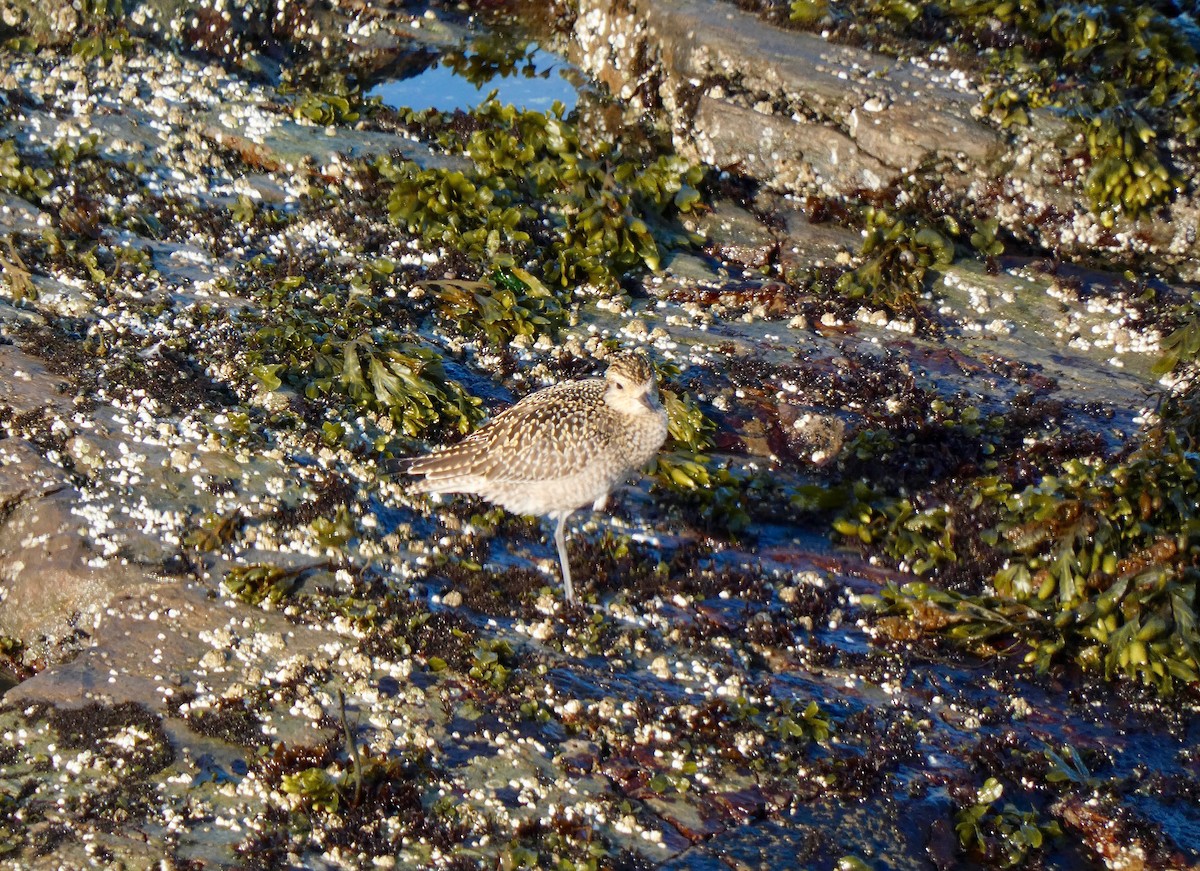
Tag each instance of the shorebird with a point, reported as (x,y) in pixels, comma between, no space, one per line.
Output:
(558,449)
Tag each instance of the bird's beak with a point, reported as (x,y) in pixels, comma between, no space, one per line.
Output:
(648,400)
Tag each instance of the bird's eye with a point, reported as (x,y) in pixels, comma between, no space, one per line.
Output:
(620,386)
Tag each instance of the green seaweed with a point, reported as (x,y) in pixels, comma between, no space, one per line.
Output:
(314,787)
(810,724)
(716,494)
(18,177)
(1003,835)
(16,274)
(597,213)
(258,583)
(103,45)
(918,539)
(511,303)
(1100,563)
(338,344)
(687,425)
(898,252)
(808,13)
(492,663)
(984,238)
(1127,173)
(1182,346)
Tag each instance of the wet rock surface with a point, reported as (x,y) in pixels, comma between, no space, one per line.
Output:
(789,101)
(241,643)
(801,113)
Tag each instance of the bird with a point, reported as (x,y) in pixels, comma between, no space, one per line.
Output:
(558,449)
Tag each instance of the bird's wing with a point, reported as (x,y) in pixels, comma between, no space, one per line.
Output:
(554,433)
(544,441)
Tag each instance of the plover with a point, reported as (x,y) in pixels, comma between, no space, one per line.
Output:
(558,449)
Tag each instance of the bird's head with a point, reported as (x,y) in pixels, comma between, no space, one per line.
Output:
(631,385)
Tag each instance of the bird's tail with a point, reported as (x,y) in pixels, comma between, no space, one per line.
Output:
(449,470)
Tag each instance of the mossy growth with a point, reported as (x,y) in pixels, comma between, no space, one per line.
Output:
(538,195)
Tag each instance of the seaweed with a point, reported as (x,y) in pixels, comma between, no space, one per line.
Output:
(1001,835)
(898,253)
(596,212)
(1100,564)
(339,344)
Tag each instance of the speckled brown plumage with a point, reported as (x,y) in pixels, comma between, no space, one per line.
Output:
(558,449)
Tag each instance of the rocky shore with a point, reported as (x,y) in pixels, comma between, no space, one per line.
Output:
(236,289)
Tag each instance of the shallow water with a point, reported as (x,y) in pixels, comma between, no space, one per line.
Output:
(536,81)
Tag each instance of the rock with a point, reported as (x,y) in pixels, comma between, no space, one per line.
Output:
(787,154)
(51,582)
(733,233)
(1112,837)
(155,640)
(17,215)
(805,244)
(25,475)
(788,108)
(28,387)
(803,115)
(811,433)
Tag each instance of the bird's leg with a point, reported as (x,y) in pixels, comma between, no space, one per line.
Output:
(568,590)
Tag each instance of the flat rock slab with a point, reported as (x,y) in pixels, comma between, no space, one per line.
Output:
(28,387)
(787,107)
(160,639)
(50,579)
